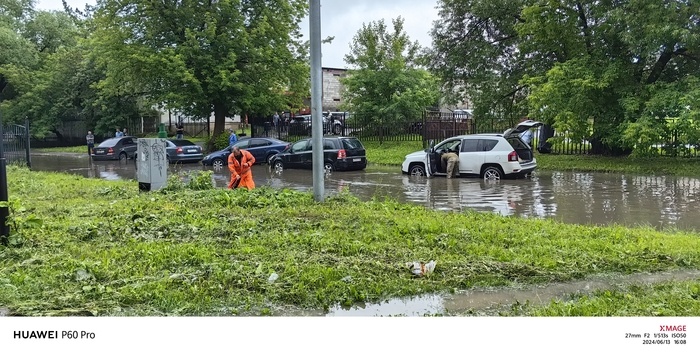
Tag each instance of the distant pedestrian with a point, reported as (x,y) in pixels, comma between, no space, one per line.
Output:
(180,131)
(276,121)
(232,138)
(526,136)
(90,139)
(239,163)
(124,133)
(118,133)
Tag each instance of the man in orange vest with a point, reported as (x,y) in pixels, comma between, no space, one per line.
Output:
(239,163)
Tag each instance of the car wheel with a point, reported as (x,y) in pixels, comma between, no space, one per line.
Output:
(278,165)
(417,170)
(217,163)
(492,173)
(328,167)
(268,159)
(122,156)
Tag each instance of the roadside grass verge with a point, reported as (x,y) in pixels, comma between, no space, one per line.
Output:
(100,247)
(70,149)
(628,165)
(390,152)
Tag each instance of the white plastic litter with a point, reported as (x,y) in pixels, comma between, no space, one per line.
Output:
(420,268)
(273,277)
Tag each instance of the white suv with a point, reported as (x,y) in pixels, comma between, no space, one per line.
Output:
(491,156)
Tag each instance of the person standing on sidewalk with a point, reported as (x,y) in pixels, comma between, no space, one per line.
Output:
(90,139)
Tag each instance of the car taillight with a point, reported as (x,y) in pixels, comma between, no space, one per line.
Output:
(342,154)
(179,150)
(110,150)
(513,156)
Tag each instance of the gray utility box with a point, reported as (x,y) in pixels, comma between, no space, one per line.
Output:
(151,164)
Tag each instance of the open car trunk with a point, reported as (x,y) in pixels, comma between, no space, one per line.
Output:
(520,147)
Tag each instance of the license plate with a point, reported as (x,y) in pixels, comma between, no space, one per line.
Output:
(191,151)
(356,159)
(99,152)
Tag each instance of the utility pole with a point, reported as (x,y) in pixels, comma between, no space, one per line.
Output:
(316,92)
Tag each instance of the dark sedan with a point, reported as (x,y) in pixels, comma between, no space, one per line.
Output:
(180,151)
(120,148)
(262,148)
(339,153)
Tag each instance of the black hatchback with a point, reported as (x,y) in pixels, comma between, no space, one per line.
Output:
(339,153)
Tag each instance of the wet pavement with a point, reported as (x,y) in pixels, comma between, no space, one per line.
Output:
(570,197)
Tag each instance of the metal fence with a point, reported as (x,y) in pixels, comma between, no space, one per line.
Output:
(16,143)
(432,125)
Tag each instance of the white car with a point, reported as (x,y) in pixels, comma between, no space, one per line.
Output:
(490,156)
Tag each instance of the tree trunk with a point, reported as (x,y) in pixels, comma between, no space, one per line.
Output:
(220,111)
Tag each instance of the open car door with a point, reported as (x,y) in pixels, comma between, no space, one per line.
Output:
(431,160)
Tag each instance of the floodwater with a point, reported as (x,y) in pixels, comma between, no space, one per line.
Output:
(570,197)
(490,302)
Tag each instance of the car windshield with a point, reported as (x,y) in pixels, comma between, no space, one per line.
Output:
(110,142)
(352,144)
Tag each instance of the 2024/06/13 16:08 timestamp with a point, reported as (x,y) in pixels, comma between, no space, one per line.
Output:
(667,335)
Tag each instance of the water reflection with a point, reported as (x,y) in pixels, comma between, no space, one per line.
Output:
(583,198)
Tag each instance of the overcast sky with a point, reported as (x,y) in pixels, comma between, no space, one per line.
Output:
(342,19)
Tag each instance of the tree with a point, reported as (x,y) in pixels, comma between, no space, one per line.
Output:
(592,68)
(17,52)
(225,57)
(387,84)
(476,55)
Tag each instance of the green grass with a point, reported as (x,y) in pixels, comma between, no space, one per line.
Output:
(93,246)
(72,149)
(631,165)
(390,152)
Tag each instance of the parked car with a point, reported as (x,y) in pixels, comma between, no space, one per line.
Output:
(339,153)
(301,125)
(490,156)
(181,151)
(262,149)
(115,148)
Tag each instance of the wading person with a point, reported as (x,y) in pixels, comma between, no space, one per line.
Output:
(90,139)
(239,163)
(450,163)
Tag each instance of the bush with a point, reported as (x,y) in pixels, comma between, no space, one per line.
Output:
(219,142)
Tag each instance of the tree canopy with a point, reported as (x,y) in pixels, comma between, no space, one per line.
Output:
(225,57)
(612,72)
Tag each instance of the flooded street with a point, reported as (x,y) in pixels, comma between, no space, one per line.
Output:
(581,198)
